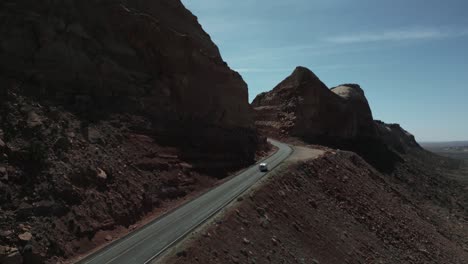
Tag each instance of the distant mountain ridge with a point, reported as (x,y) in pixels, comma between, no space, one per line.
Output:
(444,144)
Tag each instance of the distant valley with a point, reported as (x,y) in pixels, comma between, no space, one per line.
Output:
(454,149)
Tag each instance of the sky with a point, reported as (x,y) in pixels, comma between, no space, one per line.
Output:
(409,56)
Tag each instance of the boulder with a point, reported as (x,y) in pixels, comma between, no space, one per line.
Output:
(25,237)
(101,174)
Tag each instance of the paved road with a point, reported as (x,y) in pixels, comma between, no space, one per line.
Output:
(147,243)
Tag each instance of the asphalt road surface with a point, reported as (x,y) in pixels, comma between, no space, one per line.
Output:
(147,243)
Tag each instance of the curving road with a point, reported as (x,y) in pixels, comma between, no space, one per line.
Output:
(148,242)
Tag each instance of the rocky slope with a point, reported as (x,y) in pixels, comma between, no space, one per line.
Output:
(109,111)
(336,209)
(396,137)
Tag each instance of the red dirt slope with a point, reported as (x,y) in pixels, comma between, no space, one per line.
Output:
(336,209)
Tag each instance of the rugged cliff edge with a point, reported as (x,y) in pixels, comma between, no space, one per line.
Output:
(396,137)
(109,110)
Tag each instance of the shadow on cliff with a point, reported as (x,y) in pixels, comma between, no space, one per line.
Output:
(209,148)
(374,150)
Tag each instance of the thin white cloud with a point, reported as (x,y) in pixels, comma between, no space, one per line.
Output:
(312,67)
(292,52)
(397,35)
(260,70)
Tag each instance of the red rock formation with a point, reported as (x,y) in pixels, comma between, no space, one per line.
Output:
(151,58)
(303,106)
(396,137)
(109,110)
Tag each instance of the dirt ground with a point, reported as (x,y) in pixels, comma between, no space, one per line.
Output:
(305,153)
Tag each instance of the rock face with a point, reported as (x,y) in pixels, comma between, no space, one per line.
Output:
(303,106)
(358,107)
(109,109)
(396,137)
(147,57)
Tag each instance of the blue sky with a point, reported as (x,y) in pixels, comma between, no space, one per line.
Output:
(410,56)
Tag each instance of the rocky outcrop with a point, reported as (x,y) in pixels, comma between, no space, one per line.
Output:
(396,137)
(149,58)
(303,106)
(358,106)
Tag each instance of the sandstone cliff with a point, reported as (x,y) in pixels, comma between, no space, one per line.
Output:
(110,111)
(303,106)
(149,58)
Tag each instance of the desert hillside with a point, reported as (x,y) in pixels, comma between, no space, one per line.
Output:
(334,209)
(110,111)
